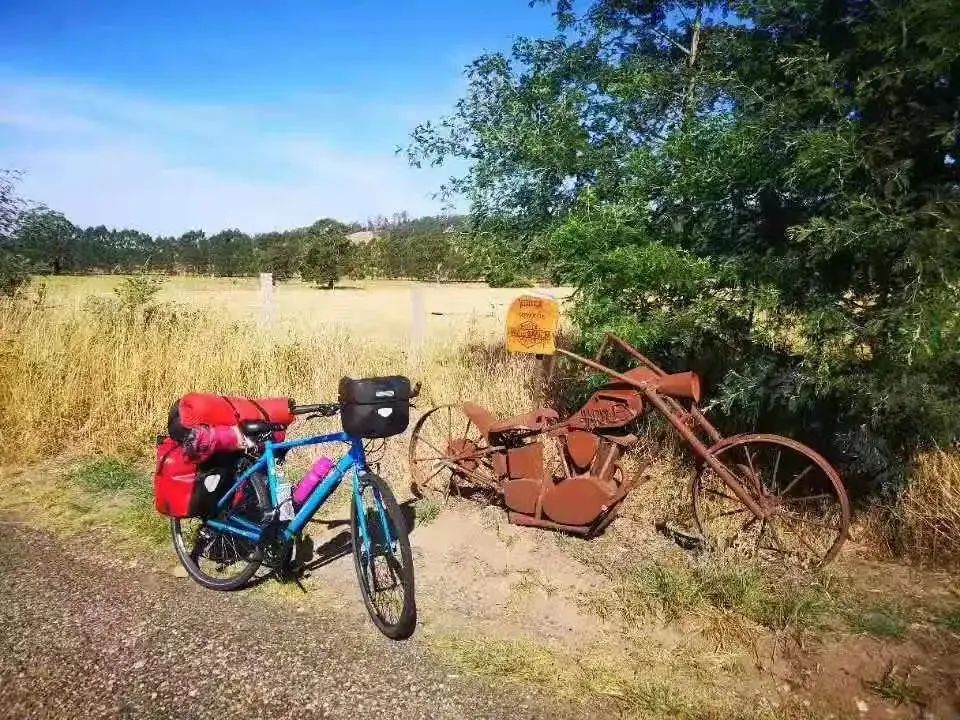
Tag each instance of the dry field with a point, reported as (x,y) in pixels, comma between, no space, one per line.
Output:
(630,624)
(380,309)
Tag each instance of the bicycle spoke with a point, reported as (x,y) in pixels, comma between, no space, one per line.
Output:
(776,468)
(807,521)
(435,473)
(746,451)
(712,491)
(797,479)
(728,513)
(432,446)
(763,529)
(807,498)
(747,524)
(800,536)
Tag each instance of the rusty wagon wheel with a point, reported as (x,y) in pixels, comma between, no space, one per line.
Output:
(807,509)
(447,453)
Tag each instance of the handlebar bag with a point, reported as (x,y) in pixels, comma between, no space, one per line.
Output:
(184,488)
(375,407)
(196,409)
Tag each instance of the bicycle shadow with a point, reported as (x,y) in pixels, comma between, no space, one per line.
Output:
(341,544)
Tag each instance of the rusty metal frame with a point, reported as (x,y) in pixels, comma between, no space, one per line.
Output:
(664,392)
(675,414)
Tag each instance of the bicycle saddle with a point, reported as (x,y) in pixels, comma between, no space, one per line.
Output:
(257,428)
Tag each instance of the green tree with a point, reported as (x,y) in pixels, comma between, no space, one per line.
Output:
(282,253)
(192,252)
(329,253)
(48,240)
(231,253)
(765,191)
(14,267)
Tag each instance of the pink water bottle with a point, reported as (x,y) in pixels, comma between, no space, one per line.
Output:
(320,469)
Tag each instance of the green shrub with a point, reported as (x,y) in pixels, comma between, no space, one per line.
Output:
(775,206)
(426,511)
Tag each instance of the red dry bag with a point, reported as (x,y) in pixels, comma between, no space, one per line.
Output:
(195,409)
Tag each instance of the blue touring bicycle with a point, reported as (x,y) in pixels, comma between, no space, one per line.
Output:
(224,550)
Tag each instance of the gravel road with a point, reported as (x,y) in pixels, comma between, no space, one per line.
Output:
(83,636)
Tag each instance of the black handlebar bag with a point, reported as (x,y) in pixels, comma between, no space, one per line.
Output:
(375,407)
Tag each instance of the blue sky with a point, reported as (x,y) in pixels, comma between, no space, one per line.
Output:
(171,116)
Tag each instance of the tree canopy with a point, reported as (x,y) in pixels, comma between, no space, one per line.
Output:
(45,241)
(765,191)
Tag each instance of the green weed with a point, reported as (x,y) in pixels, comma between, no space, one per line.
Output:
(602,682)
(879,619)
(110,474)
(950,619)
(143,521)
(116,492)
(895,688)
(774,601)
(426,511)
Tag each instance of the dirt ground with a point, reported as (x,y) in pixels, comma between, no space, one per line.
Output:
(530,608)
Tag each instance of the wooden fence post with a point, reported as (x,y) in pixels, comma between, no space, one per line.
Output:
(266,298)
(417,318)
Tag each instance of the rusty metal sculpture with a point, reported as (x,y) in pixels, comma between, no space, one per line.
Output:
(763,493)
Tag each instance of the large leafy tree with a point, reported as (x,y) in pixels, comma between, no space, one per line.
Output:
(48,239)
(329,254)
(765,190)
(231,252)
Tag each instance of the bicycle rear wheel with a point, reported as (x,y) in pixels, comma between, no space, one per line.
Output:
(382,558)
(218,560)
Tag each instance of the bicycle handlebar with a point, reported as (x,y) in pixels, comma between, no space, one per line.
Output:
(326,409)
(329,409)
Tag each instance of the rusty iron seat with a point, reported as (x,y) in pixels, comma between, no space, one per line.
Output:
(536,421)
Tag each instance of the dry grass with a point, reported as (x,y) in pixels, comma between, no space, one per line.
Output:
(102,380)
(378,309)
(923,524)
(89,379)
(930,509)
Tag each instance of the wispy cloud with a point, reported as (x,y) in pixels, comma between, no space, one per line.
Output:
(103,156)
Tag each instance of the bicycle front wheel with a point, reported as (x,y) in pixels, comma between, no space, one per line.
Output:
(382,558)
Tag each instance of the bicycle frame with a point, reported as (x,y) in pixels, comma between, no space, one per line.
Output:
(355,459)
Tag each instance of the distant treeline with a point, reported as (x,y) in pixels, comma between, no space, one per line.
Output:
(424,248)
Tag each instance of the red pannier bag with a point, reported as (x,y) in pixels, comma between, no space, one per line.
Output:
(175,480)
(185,487)
(195,409)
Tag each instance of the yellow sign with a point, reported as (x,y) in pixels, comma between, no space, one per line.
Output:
(532,325)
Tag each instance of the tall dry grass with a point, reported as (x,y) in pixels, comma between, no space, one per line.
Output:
(930,510)
(102,379)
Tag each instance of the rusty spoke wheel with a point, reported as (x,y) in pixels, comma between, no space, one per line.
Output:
(806,509)
(447,454)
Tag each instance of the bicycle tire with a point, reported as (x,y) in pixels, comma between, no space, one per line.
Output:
(246,572)
(405,623)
